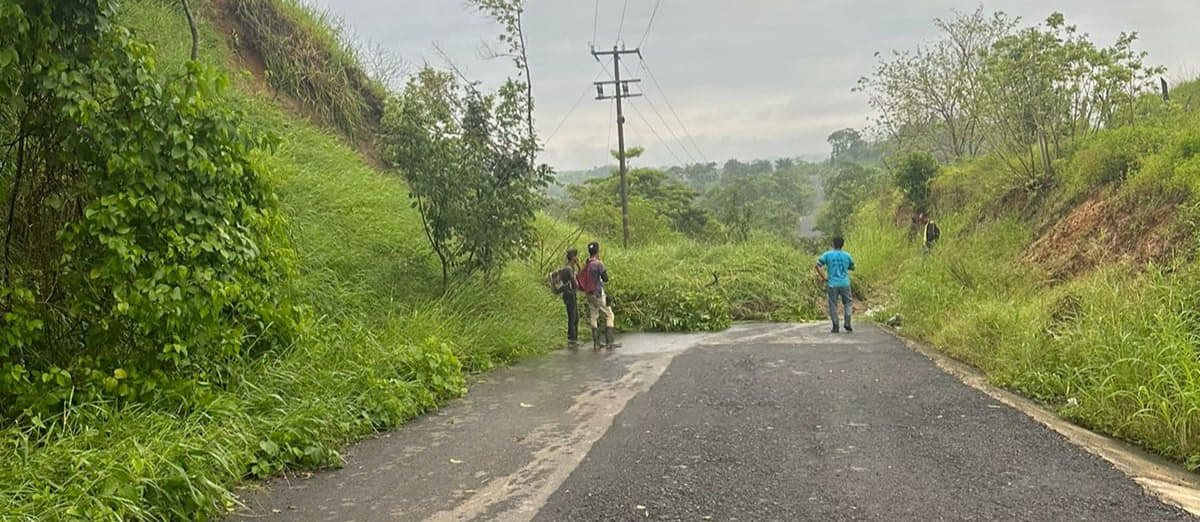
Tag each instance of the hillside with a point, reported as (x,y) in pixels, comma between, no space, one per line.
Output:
(1082,295)
(379,343)
(220,270)
(358,335)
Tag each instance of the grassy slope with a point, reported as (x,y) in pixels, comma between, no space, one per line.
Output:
(383,343)
(1108,337)
(377,351)
(675,284)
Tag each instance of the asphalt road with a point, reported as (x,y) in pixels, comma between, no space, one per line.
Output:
(764,422)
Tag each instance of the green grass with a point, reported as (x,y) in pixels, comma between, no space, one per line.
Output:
(684,285)
(382,344)
(309,57)
(1113,348)
(365,363)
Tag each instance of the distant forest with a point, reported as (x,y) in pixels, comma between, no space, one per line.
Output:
(726,202)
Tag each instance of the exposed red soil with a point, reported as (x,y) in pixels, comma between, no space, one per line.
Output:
(1131,229)
(247,59)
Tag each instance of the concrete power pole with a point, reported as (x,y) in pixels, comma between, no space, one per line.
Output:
(621,91)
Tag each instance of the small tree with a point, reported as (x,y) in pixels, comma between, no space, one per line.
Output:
(928,97)
(187,12)
(913,174)
(1046,86)
(509,14)
(732,204)
(842,142)
(465,156)
(845,188)
(763,196)
(666,197)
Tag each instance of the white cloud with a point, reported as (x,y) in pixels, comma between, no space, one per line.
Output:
(753,78)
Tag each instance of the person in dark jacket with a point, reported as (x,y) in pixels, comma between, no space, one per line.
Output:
(570,296)
(932,233)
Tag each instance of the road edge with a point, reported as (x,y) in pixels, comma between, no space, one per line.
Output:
(1160,477)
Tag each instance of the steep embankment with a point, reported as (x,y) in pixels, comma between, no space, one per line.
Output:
(381,343)
(1083,296)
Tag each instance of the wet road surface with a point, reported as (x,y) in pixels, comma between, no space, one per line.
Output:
(763,422)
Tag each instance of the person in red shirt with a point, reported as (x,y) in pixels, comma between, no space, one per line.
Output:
(597,276)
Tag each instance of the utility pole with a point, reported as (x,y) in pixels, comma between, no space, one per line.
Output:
(621,90)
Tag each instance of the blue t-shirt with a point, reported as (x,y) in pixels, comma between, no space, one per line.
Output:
(838,264)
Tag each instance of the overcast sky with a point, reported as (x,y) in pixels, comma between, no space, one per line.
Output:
(748,78)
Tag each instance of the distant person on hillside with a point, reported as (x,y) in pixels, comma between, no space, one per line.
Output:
(932,233)
(834,267)
(591,281)
(568,287)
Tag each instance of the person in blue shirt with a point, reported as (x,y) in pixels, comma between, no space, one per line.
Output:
(834,268)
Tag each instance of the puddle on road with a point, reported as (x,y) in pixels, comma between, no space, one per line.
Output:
(659,343)
(650,343)
(784,333)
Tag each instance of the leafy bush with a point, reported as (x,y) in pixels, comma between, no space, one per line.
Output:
(692,286)
(668,201)
(142,244)
(913,174)
(646,226)
(1112,156)
(663,306)
(1176,163)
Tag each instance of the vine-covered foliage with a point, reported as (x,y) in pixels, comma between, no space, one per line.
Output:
(140,245)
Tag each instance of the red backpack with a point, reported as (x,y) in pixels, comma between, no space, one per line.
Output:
(584,278)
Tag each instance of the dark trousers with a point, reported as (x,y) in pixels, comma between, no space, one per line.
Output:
(572,301)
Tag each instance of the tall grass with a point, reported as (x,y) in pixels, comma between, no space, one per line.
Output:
(686,285)
(382,345)
(1114,348)
(309,57)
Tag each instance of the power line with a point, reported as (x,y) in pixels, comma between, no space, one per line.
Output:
(686,132)
(649,24)
(595,21)
(670,128)
(622,24)
(646,33)
(666,144)
(582,95)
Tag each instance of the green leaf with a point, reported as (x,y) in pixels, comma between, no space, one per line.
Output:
(269,447)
